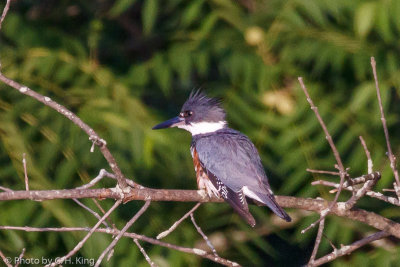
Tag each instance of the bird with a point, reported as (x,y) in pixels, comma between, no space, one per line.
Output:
(226,162)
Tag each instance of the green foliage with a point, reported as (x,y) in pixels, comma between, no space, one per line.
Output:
(123,66)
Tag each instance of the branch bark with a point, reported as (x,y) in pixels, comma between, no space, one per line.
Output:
(310,204)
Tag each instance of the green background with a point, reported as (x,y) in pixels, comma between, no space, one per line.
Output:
(123,66)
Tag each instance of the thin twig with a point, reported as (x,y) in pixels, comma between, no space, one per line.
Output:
(20,257)
(95,214)
(342,171)
(5,10)
(377,195)
(83,241)
(5,189)
(354,181)
(323,172)
(151,263)
(195,251)
(392,158)
(25,172)
(173,227)
(369,160)
(121,233)
(6,260)
(317,242)
(103,173)
(345,250)
(388,190)
(208,242)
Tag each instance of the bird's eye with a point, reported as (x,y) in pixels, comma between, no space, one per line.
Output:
(186,113)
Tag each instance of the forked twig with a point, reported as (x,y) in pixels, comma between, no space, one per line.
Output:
(121,233)
(342,171)
(83,241)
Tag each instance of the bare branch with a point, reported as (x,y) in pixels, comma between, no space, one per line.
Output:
(151,263)
(316,205)
(345,250)
(83,241)
(5,10)
(77,121)
(195,251)
(317,242)
(342,171)
(377,195)
(392,158)
(121,233)
(203,235)
(175,225)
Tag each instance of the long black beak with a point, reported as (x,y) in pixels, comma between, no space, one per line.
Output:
(170,123)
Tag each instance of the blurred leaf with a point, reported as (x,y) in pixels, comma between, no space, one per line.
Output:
(364,18)
(149,15)
(120,6)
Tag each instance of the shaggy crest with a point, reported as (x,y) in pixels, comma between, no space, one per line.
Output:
(204,107)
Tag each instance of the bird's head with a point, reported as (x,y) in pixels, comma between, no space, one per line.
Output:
(199,115)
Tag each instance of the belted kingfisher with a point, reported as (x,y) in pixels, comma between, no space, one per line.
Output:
(226,162)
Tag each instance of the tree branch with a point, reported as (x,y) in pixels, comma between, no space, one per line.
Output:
(310,204)
(342,171)
(121,233)
(195,251)
(83,241)
(93,136)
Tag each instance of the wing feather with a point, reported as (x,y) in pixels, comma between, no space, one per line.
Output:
(237,200)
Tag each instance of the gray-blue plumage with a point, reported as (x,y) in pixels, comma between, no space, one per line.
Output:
(234,160)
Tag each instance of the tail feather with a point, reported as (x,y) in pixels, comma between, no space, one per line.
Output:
(269,200)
